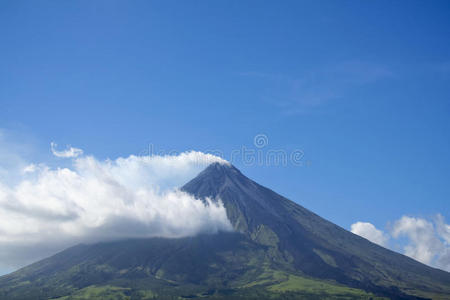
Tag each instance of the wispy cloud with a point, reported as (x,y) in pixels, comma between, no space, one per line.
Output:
(318,87)
(67,153)
(427,241)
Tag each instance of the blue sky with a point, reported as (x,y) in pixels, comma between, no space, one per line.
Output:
(362,88)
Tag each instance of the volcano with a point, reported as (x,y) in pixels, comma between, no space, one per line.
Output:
(278,250)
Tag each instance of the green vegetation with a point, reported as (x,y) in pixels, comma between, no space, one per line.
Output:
(109,292)
(310,286)
(279,282)
(99,292)
(294,287)
(326,258)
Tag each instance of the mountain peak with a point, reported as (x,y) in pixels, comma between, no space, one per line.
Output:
(224,168)
(211,181)
(247,203)
(218,165)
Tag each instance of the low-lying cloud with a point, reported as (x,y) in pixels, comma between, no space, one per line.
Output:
(50,209)
(427,241)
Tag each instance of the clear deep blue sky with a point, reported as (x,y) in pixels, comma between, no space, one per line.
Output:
(362,87)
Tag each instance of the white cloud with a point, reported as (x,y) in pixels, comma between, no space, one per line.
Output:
(370,232)
(442,228)
(427,241)
(50,209)
(69,152)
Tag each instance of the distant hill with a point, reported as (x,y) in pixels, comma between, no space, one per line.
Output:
(279,250)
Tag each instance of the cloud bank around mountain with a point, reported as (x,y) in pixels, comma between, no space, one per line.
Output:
(427,241)
(48,209)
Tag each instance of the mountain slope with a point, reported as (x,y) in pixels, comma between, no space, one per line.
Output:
(221,266)
(316,247)
(279,250)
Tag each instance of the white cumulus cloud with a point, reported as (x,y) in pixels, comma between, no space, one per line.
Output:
(427,241)
(50,209)
(67,153)
(424,240)
(370,232)
(442,228)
